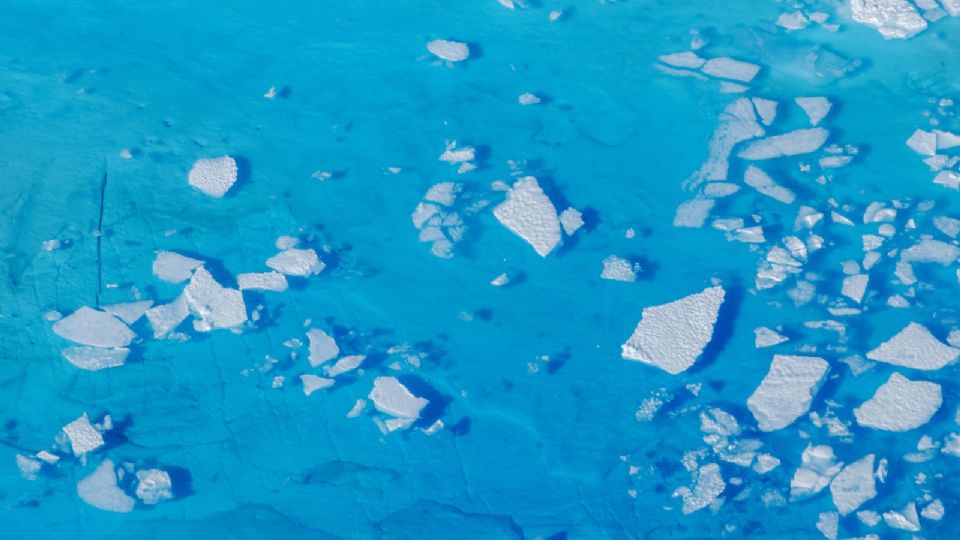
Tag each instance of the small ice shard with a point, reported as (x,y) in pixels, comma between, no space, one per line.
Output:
(923,142)
(618,269)
(391,397)
(931,251)
(262,281)
(828,523)
(900,404)
(154,486)
(765,337)
(129,312)
(787,390)
(687,59)
(28,467)
(894,19)
(672,336)
(933,511)
(95,328)
(213,305)
(728,68)
(855,286)
(767,109)
(905,520)
(500,280)
(345,364)
(451,51)
(296,262)
(173,267)
(915,347)
(323,348)
(83,436)
(214,176)
(817,469)
(528,213)
(854,485)
(357,408)
(708,485)
(816,108)
(312,383)
(165,317)
(527,98)
(571,219)
(761,181)
(100,490)
(95,358)
(793,143)
(693,213)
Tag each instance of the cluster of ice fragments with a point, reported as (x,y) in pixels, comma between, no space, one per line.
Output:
(733,74)
(901,19)
(940,148)
(439,217)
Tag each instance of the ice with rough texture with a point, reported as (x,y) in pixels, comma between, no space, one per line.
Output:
(529,214)
(915,347)
(173,267)
(854,485)
(213,305)
(312,383)
(816,108)
(929,250)
(262,281)
(323,348)
(905,519)
(391,397)
(571,219)
(451,51)
(100,490)
(83,436)
(296,262)
(672,336)
(761,181)
(894,19)
(765,337)
(793,143)
(708,486)
(95,358)
(828,523)
(214,176)
(900,404)
(95,328)
(817,468)
(787,390)
(166,317)
(738,123)
(728,68)
(154,486)
(618,269)
(693,213)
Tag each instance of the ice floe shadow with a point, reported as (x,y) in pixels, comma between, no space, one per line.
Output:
(724,328)
(244,172)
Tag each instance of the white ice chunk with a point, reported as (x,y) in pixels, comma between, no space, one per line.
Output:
(672,336)
(688,59)
(213,305)
(923,142)
(815,107)
(214,176)
(915,347)
(129,312)
(165,317)
(571,219)
(765,337)
(100,490)
(618,269)
(894,19)
(154,486)
(95,328)
(173,267)
(296,262)
(345,364)
(451,51)
(855,286)
(900,404)
(728,68)
(323,348)
(947,225)
(817,469)
(28,467)
(854,485)
(952,7)
(312,383)
(262,281)
(738,123)
(828,523)
(708,485)
(766,463)
(905,520)
(95,358)
(767,109)
(933,511)
(528,213)
(947,139)
(693,213)
(787,390)
(761,181)
(793,143)
(83,436)
(527,98)
(717,190)
(453,155)
(931,251)
(793,21)
(391,397)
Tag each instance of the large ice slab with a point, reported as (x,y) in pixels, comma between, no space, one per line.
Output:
(787,390)
(100,490)
(83,436)
(900,404)
(391,397)
(95,328)
(296,262)
(529,214)
(793,143)
(214,176)
(854,485)
(672,336)
(915,347)
(737,123)
(173,267)
(213,305)
(894,19)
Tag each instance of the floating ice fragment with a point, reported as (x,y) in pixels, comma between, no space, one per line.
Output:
(500,280)
(828,524)
(345,364)
(894,19)
(761,181)
(947,139)
(527,98)
(213,305)
(100,490)
(923,142)
(451,51)
(787,390)
(672,336)
(312,383)
(717,190)
(323,348)
(915,347)
(154,486)
(687,59)
(793,143)
(618,269)
(816,108)
(765,337)
(947,225)
(95,358)
(931,251)
(817,469)
(693,213)
(357,408)
(528,213)
(95,328)
(766,463)
(129,312)
(900,404)
(214,176)
(164,318)
(391,397)
(905,520)
(728,68)
(767,109)
(855,286)
(173,267)
(296,262)
(738,123)
(933,511)
(83,436)
(262,281)
(948,179)
(571,219)
(854,485)
(708,485)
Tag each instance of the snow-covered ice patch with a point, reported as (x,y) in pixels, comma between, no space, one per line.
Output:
(530,214)
(787,390)
(95,328)
(915,347)
(214,176)
(900,404)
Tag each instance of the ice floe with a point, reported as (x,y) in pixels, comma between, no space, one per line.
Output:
(787,390)
(571,219)
(915,347)
(323,348)
(900,404)
(894,19)
(391,397)
(817,468)
(618,269)
(451,51)
(154,486)
(213,305)
(100,490)
(95,358)
(905,519)
(672,336)
(761,181)
(729,68)
(345,364)
(95,328)
(765,337)
(83,436)
(173,267)
(529,214)
(129,312)
(708,484)
(296,262)
(793,143)
(166,317)
(262,281)
(854,485)
(816,108)
(213,176)
(312,383)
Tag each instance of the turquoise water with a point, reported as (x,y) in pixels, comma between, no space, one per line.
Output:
(538,407)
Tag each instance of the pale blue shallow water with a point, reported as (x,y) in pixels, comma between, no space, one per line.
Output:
(531,448)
